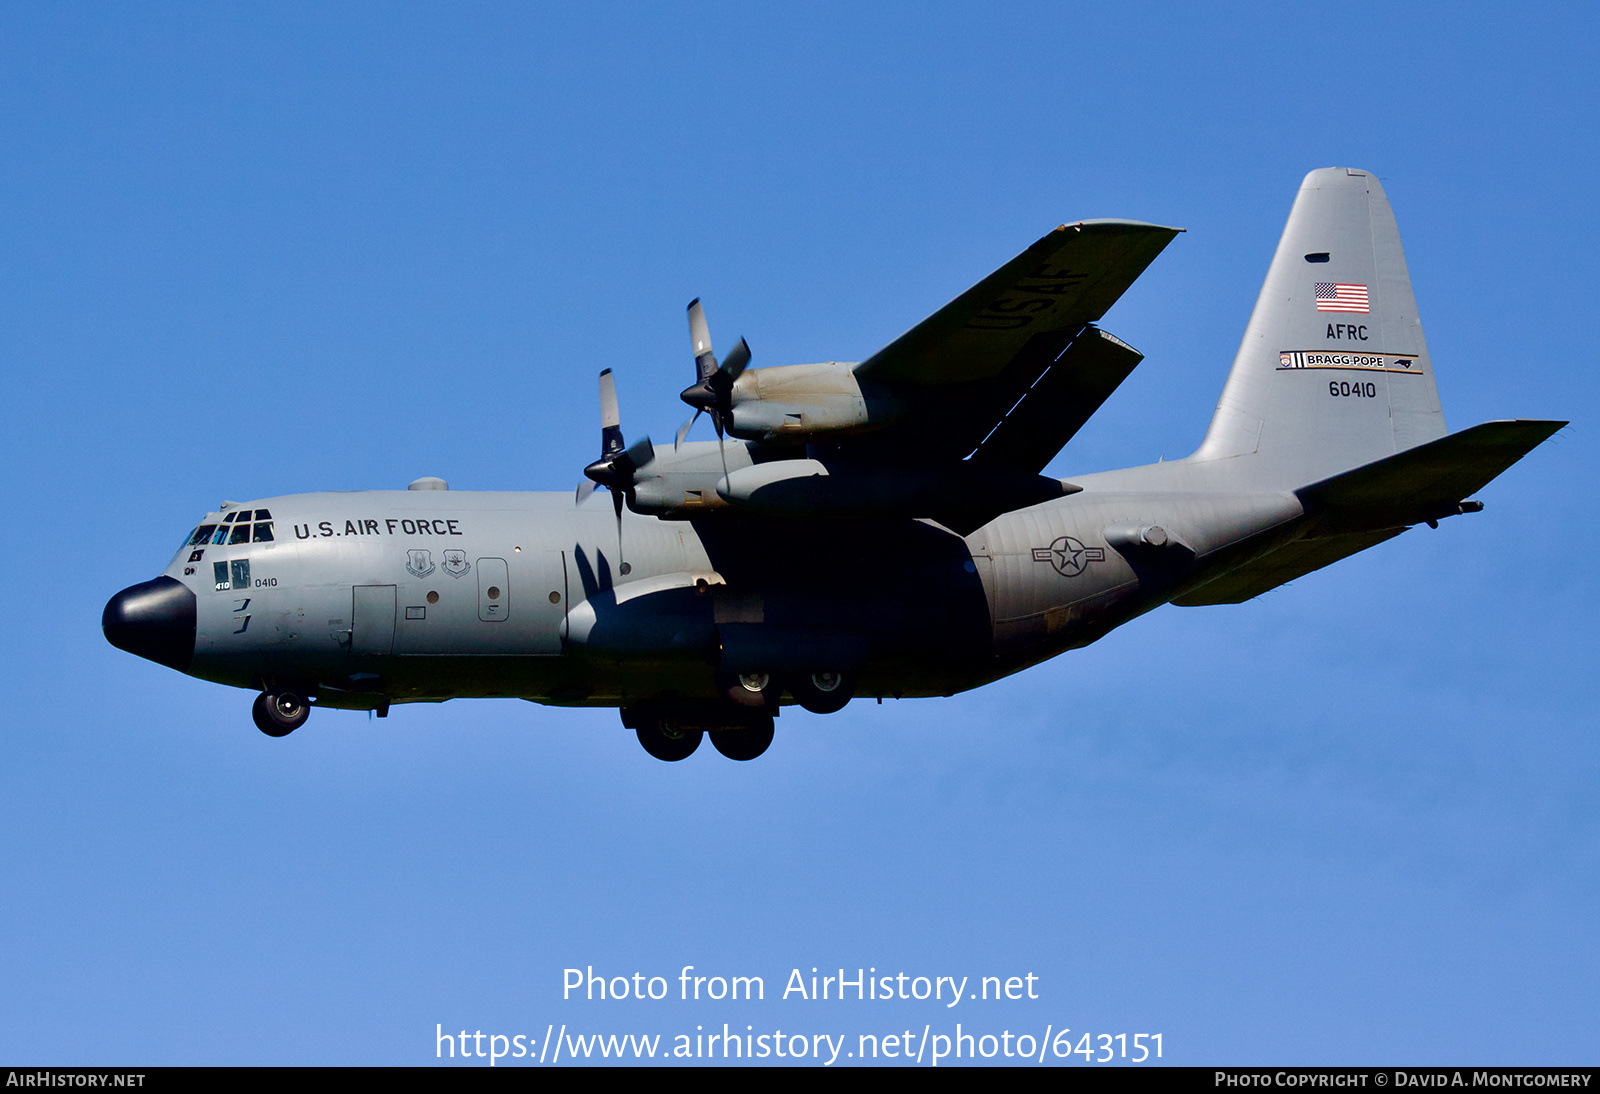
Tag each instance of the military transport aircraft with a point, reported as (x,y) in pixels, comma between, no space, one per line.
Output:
(871,529)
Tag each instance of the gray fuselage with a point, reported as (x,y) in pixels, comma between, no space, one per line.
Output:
(374,597)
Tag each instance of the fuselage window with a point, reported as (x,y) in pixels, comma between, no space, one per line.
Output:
(219,571)
(241,573)
(262,514)
(241,534)
(264,532)
(231,517)
(222,534)
(201,534)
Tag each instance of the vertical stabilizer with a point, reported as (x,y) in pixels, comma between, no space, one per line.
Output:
(1333,372)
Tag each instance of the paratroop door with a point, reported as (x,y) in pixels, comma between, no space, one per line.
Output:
(372,620)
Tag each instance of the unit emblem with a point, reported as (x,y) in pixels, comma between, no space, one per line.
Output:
(419,562)
(456,564)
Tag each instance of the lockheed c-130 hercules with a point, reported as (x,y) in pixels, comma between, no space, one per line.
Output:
(871,529)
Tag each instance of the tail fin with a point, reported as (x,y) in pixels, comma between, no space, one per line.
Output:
(1333,372)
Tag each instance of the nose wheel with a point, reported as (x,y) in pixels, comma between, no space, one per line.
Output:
(280,713)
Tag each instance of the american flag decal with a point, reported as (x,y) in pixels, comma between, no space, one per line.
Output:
(1332,297)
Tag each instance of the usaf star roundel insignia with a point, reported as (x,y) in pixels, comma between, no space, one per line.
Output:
(1069,556)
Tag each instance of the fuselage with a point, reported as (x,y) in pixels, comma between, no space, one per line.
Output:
(376,597)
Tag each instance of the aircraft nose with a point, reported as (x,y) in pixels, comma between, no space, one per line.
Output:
(154,619)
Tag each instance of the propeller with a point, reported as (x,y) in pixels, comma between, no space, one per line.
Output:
(619,464)
(713,388)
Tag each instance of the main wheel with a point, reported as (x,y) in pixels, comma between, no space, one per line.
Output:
(748,689)
(744,742)
(280,713)
(823,692)
(665,739)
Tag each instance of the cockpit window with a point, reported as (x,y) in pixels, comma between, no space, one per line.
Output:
(235,528)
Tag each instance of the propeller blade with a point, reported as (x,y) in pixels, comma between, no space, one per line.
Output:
(738,357)
(705,361)
(639,453)
(616,505)
(617,465)
(610,417)
(683,430)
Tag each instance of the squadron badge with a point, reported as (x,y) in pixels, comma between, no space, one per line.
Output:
(419,562)
(456,564)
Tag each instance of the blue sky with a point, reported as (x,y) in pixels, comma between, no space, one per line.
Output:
(266,249)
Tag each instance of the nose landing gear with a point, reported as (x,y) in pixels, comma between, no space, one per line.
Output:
(280,713)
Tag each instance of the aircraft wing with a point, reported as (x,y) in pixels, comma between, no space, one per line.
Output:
(1018,342)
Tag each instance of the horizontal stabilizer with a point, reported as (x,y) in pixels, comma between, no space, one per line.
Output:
(1281,566)
(1422,483)
(1058,405)
(1362,508)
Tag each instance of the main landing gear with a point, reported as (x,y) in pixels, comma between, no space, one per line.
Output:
(674,732)
(745,742)
(280,713)
(666,739)
(740,720)
(823,692)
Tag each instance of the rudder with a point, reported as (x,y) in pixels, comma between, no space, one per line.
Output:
(1333,371)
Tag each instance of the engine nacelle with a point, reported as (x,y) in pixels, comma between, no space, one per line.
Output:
(806,402)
